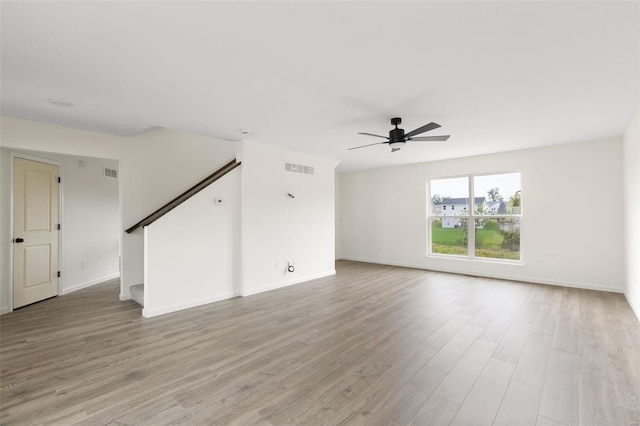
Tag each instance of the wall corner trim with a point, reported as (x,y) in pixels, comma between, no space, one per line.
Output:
(288,283)
(507,277)
(89,283)
(154,312)
(636,310)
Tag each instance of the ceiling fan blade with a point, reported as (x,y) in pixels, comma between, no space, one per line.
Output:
(371,134)
(430,138)
(395,149)
(422,129)
(363,146)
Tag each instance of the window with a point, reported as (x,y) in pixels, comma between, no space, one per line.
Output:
(495,214)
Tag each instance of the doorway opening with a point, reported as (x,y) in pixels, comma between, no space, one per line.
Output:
(88,243)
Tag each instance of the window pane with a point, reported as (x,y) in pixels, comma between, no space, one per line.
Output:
(450,197)
(449,236)
(498,238)
(497,194)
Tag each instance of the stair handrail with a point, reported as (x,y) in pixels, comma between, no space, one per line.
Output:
(185,195)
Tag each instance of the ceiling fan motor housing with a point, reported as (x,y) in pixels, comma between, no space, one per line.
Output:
(396,135)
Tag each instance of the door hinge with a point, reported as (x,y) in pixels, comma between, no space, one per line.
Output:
(59,274)
(59,179)
(59,227)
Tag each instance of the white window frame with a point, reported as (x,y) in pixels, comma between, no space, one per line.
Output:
(471,217)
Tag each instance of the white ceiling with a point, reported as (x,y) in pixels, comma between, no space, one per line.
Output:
(309,75)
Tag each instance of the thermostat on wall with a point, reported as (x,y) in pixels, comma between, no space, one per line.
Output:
(219,201)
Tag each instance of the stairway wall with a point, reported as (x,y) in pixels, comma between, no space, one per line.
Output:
(191,254)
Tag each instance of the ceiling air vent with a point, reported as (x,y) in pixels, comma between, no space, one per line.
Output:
(112,173)
(298,168)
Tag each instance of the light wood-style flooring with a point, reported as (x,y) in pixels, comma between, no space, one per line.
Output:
(374,345)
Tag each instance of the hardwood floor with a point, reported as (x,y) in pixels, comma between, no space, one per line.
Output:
(372,345)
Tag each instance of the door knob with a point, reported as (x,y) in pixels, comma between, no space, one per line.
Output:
(19,240)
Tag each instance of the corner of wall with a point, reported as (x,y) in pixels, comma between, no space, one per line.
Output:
(338,215)
(631,197)
(634,309)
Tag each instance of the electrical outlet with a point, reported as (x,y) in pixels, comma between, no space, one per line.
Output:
(83,264)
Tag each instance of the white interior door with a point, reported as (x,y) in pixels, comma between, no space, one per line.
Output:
(35,231)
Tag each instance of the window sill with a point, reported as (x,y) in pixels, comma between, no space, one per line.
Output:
(484,260)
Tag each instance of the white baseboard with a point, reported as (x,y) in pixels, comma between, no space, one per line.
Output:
(535,280)
(635,309)
(288,283)
(5,310)
(89,283)
(125,296)
(148,313)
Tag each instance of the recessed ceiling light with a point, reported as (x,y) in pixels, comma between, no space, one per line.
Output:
(60,103)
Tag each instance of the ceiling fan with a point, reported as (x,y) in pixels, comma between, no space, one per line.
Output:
(398,138)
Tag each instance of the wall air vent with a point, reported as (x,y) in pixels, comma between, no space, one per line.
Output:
(112,173)
(299,168)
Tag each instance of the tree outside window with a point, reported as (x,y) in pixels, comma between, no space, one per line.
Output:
(495,213)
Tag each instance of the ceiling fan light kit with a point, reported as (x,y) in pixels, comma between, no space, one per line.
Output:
(395,146)
(397,138)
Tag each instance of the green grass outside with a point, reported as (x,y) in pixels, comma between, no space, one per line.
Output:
(488,241)
(440,249)
(489,237)
(446,236)
(498,254)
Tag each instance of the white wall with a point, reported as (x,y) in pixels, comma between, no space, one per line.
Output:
(16,134)
(5,231)
(160,164)
(90,219)
(275,228)
(155,167)
(631,196)
(192,253)
(338,217)
(90,222)
(572,230)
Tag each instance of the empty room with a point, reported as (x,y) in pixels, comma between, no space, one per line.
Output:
(320,213)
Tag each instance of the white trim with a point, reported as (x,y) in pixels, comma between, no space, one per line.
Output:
(533,280)
(288,283)
(145,267)
(89,283)
(148,313)
(124,296)
(5,310)
(121,238)
(13,156)
(633,308)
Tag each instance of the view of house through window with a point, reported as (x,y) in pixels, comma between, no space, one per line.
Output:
(494,210)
